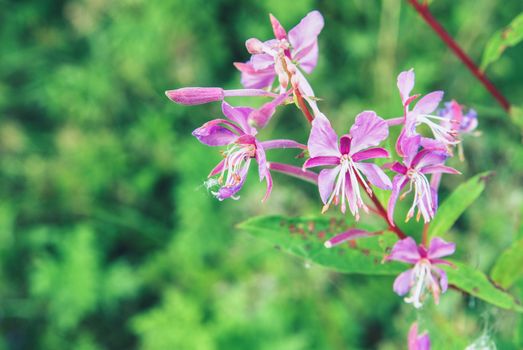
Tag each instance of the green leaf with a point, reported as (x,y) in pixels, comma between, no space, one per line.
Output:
(510,36)
(476,283)
(509,266)
(457,203)
(304,237)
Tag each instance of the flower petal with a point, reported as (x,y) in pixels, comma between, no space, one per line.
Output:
(323,141)
(405,250)
(439,248)
(370,153)
(321,161)
(368,130)
(308,58)
(402,283)
(405,84)
(279,31)
(239,115)
(261,116)
(399,168)
(427,157)
(428,103)
(375,175)
(398,183)
(255,79)
(305,34)
(262,161)
(214,134)
(326,180)
(433,169)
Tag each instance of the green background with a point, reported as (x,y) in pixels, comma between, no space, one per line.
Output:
(108,238)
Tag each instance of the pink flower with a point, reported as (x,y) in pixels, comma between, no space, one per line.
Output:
(300,45)
(421,113)
(416,165)
(239,136)
(341,183)
(455,118)
(285,57)
(418,341)
(425,276)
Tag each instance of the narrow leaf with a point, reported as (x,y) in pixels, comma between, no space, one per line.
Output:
(304,237)
(509,266)
(459,200)
(476,283)
(501,40)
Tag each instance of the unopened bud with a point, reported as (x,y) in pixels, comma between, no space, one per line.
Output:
(254,46)
(195,95)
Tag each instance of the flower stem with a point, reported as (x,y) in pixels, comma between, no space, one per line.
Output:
(302,105)
(423,11)
(425,234)
(294,171)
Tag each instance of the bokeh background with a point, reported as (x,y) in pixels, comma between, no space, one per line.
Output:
(108,238)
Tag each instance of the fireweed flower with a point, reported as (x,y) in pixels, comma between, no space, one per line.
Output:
(418,341)
(422,112)
(283,56)
(454,117)
(416,165)
(425,276)
(342,182)
(239,136)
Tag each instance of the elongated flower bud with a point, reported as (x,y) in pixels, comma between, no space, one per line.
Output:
(195,95)
(254,46)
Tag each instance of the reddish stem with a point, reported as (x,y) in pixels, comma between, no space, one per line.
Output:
(303,106)
(423,11)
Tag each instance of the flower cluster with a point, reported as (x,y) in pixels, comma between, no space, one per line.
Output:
(277,70)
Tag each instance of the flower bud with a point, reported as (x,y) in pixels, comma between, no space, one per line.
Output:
(195,95)
(254,46)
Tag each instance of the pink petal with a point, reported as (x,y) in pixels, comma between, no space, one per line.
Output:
(402,283)
(304,35)
(413,337)
(213,134)
(405,84)
(398,183)
(428,103)
(439,248)
(253,79)
(368,130)
(326,180)
(239,115)
(321,161)
(370,153)
(323,141)
(399,168)
(262,161)
(217,169)
(261,116)
(423,342)
(438,169)
(405,250)
(375,175)
(262,61)
(428,157)
(350,234)
(268,178)
(443,279)
(308,58)
(407,147)
(279,31)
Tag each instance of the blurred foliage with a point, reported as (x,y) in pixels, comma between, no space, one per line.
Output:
(108,239)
